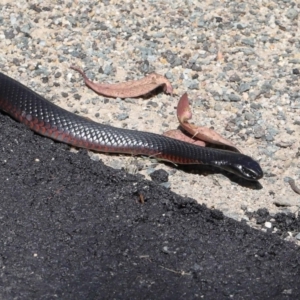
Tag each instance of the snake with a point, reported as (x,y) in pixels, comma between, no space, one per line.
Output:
(47,119)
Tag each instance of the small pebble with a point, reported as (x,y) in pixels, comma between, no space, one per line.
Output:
(159,176)
(268,224)
(296,71)
(292,13)
(122,117)
(244,87)
(234,78)
(234,97)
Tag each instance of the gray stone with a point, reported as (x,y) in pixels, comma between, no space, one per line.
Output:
(159,34)
(152,103)
(255,105)
(9,34)
(286,201)
(166,184)
(248,42)
(244,87)
(258,132)
(108,69)
(269,137)
(234,97)
(292,14)
(218,107)
(234,78)
(285,144)
(194,85)
(248,116)
(122,116)
(169,75)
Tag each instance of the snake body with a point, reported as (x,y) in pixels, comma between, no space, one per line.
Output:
(48,119)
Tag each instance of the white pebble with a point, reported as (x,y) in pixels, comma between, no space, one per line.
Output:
(268,224)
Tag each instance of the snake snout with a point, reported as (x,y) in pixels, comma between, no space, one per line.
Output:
(250,173)
(246,167)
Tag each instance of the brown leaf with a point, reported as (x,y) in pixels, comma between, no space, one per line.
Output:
(134,88)
(184,112)
(179,135)
(202,133)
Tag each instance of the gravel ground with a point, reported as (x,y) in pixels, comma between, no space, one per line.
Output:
(239,63)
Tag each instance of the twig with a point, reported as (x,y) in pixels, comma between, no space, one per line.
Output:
(293,186)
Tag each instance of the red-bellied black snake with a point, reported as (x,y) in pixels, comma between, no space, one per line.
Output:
(49,120)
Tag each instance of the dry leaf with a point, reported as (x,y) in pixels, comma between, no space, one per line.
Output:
(202,133)
(134,88)
(179,135)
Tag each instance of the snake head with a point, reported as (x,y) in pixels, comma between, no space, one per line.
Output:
(253,172)
(243,166)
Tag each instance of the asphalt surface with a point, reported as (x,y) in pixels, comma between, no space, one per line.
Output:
(73,228)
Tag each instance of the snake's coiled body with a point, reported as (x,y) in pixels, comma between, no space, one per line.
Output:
(52,121)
